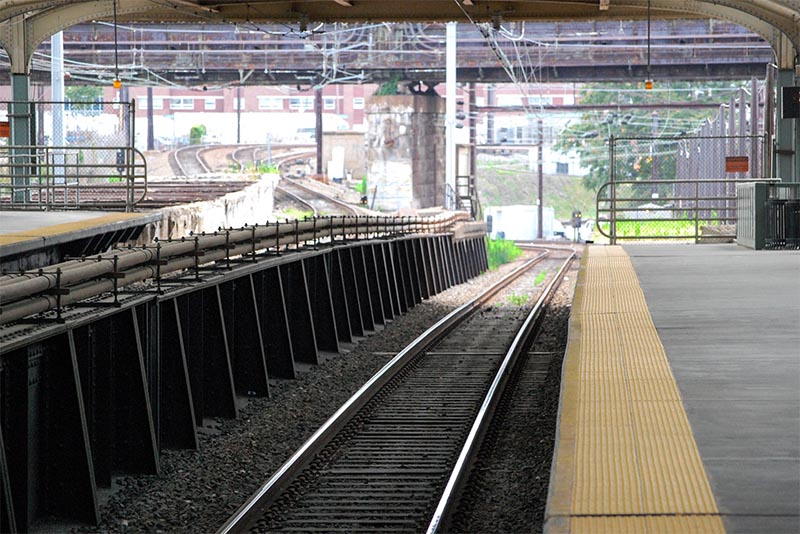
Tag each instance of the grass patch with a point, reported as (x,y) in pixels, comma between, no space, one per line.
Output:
(518,300)
(667,228)
(293,213)
(500,251)
(540,278)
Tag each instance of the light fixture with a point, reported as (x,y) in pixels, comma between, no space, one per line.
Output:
(648,82)
(117,82)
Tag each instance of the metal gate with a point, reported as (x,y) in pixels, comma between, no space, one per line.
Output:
(680,188)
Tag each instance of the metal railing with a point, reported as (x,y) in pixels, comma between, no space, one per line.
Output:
(27,293)
(45,177)
(686,210)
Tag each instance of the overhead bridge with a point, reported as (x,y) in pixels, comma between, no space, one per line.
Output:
(99,388)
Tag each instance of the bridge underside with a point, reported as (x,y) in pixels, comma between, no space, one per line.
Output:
(621,73)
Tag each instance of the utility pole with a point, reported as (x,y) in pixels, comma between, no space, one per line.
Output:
(473,153)
(654,155)
(540,213)
(238,114)
(150,137)
(490,138)
(318,127)
(450,112)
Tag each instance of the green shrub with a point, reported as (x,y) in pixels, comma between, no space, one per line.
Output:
(500,251)
(196,134)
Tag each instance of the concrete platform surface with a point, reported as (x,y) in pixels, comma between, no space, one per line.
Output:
(22,231)
(729,320)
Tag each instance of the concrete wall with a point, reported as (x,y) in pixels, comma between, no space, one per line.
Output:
(252,205)
(354,151)
(405,151)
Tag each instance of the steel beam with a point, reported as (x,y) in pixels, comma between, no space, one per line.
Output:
(373,284)
(175,413)
(321,300)
(362,287)
(298,308)
(245,339)
(341,312)
(274,317)
(397,262)
(352,292)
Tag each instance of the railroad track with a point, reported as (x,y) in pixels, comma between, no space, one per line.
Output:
(188,161)
(394,456)
(309,199)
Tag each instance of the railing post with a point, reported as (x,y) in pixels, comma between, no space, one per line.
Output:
(696,211)
(613,186)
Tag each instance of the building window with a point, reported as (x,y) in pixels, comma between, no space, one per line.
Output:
(540,100)
(141,102)
(238,103)
(301,103)
(329,102)
(358,102)
(509,100)
(562,168)
(180,103)
(270,103)
(158,103)
(210,104)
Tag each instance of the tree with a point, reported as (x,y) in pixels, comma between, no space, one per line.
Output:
(637,157)
(83,93)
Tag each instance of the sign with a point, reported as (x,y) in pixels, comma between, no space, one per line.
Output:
(5,129)
(791,103)
(737,164)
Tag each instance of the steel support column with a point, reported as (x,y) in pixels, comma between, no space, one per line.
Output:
(274,317)
(245,339)
(403,290)
(386,282)
(362,287)
(321,300)
(298,311)
(341,312)
(787,143)
(175,417)
(375,293)
(354,312)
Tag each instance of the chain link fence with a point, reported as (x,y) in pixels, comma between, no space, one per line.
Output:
(681,188)
(69,155)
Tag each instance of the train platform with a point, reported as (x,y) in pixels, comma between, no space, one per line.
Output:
(49,235)
(680,401)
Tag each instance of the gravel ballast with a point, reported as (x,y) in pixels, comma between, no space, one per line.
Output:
(198,490)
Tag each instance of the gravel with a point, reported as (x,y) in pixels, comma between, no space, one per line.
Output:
(198,490)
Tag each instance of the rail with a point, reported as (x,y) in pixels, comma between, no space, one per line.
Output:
(69,177)
(472,444)
(27,293)
(255,505)
(690,210)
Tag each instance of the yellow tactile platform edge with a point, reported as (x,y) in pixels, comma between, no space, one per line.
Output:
(626,459)
(46,231)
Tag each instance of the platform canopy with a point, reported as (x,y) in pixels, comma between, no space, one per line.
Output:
(776,20)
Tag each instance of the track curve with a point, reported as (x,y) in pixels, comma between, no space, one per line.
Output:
(383,461)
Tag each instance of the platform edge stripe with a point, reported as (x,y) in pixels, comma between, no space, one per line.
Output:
(628,406)
(44,232)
